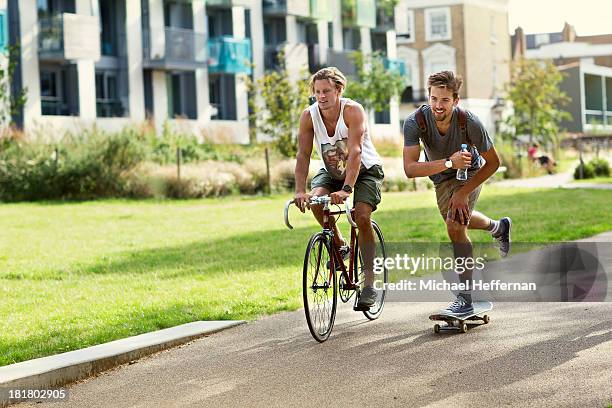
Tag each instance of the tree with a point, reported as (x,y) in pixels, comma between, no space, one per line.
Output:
(374,84)
(10,103)
(276,103)
(537,100)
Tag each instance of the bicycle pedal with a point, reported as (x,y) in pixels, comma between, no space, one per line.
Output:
(361,308)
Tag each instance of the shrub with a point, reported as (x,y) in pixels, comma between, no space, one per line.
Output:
(588,171)
(601,167)
(90,165)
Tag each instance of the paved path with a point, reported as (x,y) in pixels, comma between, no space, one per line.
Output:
(531,354)
(536,354)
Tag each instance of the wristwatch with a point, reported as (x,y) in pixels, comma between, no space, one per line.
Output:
(347,188)
(448,163)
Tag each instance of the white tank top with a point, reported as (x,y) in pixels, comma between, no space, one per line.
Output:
(334,150)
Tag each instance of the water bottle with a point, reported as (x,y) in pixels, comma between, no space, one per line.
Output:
(462,173)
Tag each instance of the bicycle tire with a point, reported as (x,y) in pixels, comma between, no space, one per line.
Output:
(376,310)
(317,288)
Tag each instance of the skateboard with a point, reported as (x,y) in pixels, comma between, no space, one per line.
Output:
(458,322)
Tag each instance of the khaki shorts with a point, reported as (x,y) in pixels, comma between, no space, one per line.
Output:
(446,189)
(366,190)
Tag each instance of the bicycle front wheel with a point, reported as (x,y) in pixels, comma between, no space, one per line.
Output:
(381,277)
(319,288)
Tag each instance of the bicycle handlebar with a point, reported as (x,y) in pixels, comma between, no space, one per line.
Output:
(322,200)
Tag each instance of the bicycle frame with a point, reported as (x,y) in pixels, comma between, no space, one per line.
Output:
(351,283)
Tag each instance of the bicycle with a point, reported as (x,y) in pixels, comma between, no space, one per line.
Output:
(320,284)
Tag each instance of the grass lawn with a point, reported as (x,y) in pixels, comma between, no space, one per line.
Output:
(78,274)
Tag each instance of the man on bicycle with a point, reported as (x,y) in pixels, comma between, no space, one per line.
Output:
(443,127)
(349,165)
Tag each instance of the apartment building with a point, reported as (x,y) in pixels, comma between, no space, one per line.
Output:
(586,64)
(469,37)
(117,62)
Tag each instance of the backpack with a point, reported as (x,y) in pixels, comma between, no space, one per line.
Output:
(461,118)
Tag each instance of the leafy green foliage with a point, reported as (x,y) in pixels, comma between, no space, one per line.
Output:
(537,101)
(91,165)
(594,168)
(374,85)
(277,103)
(10,103)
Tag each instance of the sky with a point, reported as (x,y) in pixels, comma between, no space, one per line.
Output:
(588,17)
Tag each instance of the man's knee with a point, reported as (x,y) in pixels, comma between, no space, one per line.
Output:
(362,217)
(456,231)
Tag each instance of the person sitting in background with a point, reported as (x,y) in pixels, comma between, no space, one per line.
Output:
(545,161)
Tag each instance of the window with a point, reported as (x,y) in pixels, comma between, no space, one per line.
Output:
(437,24)
(541,39)
(107,101)
(351,39)
(59,90)
(222,90)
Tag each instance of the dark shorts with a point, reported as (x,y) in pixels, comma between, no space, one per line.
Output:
(366,190)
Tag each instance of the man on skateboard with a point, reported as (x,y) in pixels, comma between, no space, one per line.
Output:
(442,127)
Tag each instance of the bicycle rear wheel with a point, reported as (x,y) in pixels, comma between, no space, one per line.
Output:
(381,278)
(319,288)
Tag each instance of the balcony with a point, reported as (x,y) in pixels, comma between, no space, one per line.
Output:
(359,13)
(298,8)
(229,55)
(395,65)
(69,37)
(228,3)
(4,40)
(176,49)
(57,107)
(110,108)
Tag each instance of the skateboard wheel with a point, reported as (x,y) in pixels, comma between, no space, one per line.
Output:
(486,319)
(436,328)
(463,327)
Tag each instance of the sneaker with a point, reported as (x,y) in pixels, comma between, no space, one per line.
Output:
(504,237)
(459,307)
(367,298)
(345,251)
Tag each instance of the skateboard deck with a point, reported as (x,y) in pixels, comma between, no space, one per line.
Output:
(459,322)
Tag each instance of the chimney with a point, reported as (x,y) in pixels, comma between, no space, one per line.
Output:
(568,33)
(520,44)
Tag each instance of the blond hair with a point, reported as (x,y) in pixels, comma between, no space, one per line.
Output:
(331,73)
(445,79)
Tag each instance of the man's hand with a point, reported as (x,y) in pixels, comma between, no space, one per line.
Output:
(461,160)
(302,201)
(459,208)
(339,196)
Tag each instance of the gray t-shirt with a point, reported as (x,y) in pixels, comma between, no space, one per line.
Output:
(440,147)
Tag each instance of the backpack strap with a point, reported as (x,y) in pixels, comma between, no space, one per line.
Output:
(462,120)
(420,119)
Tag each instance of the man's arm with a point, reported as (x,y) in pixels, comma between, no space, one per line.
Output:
(414,168)
(305,140)
(355,120)
(459,202)
(483,174)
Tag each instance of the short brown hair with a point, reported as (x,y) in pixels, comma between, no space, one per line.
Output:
(331,73)
(445,79)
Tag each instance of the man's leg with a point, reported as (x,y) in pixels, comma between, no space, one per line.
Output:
(367,244)
(317,210)
(499,229)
